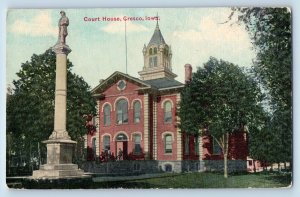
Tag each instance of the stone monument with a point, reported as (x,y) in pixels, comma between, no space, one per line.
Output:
(59,145)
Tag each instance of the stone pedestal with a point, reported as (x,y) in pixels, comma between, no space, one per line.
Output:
(59,146)
(59,161)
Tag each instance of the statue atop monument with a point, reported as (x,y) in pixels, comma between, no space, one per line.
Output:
(63,31)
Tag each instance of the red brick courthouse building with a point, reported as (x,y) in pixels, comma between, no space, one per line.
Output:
(138,117)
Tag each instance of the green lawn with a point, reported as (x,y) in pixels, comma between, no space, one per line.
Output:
(204,180)
(186,180)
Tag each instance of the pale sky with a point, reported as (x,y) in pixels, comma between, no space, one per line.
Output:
(98,48)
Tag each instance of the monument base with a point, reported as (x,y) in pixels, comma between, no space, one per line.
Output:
(58,171)
(59,161)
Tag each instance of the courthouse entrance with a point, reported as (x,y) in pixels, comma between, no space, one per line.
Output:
(121,144)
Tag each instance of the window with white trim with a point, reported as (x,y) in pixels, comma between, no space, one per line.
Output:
(167,112)
(168,143)
(137,111)
(106,142)
(107,110)
(137,144)
(122,111)
(121,85)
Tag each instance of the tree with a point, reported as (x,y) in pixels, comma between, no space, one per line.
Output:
(222,99)
(261,142)
(30,109)
(270,32)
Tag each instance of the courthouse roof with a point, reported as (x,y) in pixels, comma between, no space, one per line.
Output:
(163,83)
(114,78)
(160,84)
(157,37)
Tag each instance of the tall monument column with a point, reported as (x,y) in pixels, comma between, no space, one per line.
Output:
(60,111)
(59,145)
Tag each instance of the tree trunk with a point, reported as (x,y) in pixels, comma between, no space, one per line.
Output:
(285,165)
(226,139)
(225,166)
(254,167)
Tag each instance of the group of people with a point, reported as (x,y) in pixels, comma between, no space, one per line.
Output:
(107,155)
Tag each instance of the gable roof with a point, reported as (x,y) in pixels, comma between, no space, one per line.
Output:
(154,84)
(115,77)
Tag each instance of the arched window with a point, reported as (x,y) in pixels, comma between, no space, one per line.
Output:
(155,50)
(106,143)
(168,143)
(107,114)
(168,112)
(137,111)
(137,144)
(121,137)
(122,111)
(150,51)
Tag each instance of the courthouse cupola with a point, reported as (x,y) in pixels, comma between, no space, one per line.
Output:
(157,58)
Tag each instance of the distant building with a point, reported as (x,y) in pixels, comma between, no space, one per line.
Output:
(138,117)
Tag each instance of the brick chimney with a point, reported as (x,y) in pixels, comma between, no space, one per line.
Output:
(188,73)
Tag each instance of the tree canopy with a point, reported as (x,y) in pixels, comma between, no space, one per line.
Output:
(271,34)
(30,109)
(222,99)
(220,96)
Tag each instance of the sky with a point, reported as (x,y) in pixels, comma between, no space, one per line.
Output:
(98,48)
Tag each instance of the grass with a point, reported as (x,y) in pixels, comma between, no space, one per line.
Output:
(186,180)
(204,180)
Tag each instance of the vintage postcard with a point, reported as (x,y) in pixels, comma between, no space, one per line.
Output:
(149,98)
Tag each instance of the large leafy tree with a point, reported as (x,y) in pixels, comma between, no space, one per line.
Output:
(271,35)
(222,99)
(30,108)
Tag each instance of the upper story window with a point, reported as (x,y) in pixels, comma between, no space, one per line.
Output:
(168,143)
(153,61)
(137,112)
(167,112)
(122,111)
(107,110)
(121,85)
(155,50)
(150,51)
